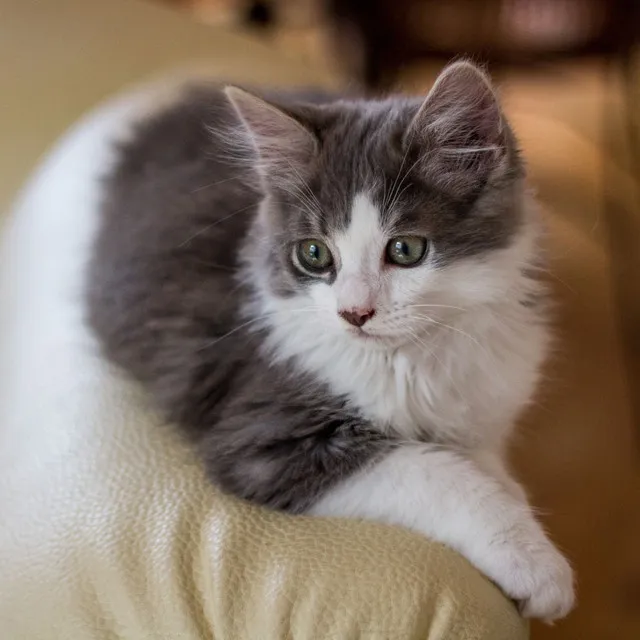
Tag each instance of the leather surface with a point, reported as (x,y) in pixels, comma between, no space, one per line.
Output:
(107,527)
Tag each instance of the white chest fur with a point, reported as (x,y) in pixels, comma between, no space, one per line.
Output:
(463,383)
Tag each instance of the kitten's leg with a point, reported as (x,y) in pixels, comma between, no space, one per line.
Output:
(493,464)
(449,498)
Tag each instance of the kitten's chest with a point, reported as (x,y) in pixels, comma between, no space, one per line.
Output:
(460,390)
(465,386)
(413,395)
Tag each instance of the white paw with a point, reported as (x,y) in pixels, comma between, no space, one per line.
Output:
(539,578)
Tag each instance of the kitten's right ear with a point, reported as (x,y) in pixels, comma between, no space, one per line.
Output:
(283,144)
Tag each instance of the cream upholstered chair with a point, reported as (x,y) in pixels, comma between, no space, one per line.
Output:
(107,527)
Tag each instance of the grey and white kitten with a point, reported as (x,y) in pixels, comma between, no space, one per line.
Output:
(345,322)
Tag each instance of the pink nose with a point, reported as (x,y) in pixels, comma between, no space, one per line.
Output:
(357,317)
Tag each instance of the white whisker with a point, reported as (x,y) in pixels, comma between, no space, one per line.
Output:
(440,306)
(448,326)
(432,352)
(404,159)
(215,224)
(404,177)
(463,150)
(253,321)
(215,184)
(444,325)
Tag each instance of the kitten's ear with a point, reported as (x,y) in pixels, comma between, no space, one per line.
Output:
(283,144)
(460,126)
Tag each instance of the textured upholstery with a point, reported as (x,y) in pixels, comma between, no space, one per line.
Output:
(107,526)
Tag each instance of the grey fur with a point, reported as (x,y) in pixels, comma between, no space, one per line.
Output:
(168,284)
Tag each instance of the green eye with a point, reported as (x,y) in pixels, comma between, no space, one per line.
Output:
(314,255)
(406,251)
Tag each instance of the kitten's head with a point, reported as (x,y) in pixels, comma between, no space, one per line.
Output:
(384,217)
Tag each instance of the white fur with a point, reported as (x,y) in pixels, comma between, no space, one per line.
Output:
(457,371)
(358,251)
(445,496)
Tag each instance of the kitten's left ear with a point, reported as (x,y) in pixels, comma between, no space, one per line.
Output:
(283,144)
(460,127)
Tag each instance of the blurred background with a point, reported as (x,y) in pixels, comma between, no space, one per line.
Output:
(376,41)
(569,76)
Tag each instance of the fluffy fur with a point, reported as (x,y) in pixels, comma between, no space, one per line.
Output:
(196,289)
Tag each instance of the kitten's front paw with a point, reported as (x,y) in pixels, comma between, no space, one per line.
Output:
(540,579)
(552,594)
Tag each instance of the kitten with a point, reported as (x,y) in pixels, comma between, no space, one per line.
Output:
(335,300)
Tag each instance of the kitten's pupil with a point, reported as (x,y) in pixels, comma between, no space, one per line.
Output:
(314,252)
(402,248)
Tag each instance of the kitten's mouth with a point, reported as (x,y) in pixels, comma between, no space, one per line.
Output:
(359,332)
(388,341)
(364,335)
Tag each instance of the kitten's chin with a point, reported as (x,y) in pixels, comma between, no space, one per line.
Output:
(362,336)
